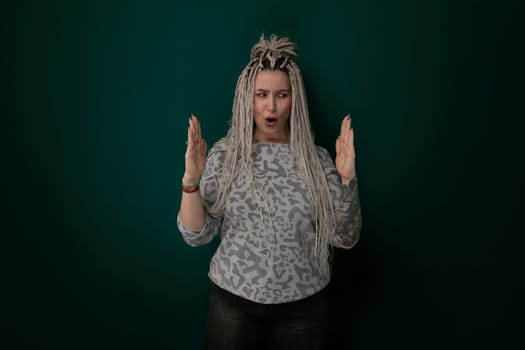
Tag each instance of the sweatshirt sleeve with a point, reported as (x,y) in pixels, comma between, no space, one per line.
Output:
(208,185)
(346,205)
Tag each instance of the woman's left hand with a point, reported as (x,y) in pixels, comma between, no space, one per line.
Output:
(345,152)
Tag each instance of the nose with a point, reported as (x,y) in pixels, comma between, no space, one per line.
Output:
(272,103)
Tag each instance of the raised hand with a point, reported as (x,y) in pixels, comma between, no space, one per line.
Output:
(345,152)
(195,157)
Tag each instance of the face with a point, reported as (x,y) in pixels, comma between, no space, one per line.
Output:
(272,106)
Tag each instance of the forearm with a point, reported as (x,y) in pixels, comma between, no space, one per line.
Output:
(348,217)
(192,212)
(197,226)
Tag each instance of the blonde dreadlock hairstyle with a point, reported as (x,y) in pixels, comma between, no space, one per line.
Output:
(270,54)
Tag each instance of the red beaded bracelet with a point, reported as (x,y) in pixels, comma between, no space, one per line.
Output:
(190,190)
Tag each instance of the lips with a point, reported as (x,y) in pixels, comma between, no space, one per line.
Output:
(270,121)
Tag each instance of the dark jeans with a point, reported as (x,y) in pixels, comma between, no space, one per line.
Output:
(237,323)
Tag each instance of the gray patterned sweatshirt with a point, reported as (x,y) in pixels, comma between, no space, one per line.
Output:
(247,262)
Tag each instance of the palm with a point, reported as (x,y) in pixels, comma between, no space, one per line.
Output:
(195,158)
(345,152)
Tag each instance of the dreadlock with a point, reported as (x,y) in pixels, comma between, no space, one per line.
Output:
(270,54)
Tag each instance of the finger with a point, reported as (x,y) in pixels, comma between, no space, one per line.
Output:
(351,134)
(204,147)
(193,129)
(341,133)
(351,137)
(195,122)
(338,145)
(345,129)
(343,148)
(189,141)
(198,124)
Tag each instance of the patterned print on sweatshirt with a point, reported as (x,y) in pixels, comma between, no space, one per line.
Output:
(255,262)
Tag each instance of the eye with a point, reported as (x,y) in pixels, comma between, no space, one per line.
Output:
(261,94)
(282,95)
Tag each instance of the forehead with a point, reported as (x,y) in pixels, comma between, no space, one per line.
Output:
(272,80)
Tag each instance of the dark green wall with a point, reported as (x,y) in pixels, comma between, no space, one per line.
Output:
(95,111)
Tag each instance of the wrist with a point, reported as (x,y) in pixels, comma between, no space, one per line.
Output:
(187,189)
(346,180)
(190,187)
(190,182)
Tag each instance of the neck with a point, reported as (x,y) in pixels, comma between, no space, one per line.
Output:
(258,138)
(267,140)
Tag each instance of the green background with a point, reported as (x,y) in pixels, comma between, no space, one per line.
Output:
(95,107)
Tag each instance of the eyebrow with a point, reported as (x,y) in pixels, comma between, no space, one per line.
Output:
(282,90)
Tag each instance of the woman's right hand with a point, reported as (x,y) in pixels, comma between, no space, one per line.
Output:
(195,158)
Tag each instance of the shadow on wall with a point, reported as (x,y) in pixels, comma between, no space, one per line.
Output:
(356,289)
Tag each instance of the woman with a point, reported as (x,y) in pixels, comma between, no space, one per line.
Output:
(278,203)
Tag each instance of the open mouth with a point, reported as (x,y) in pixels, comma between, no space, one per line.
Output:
(270,121)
